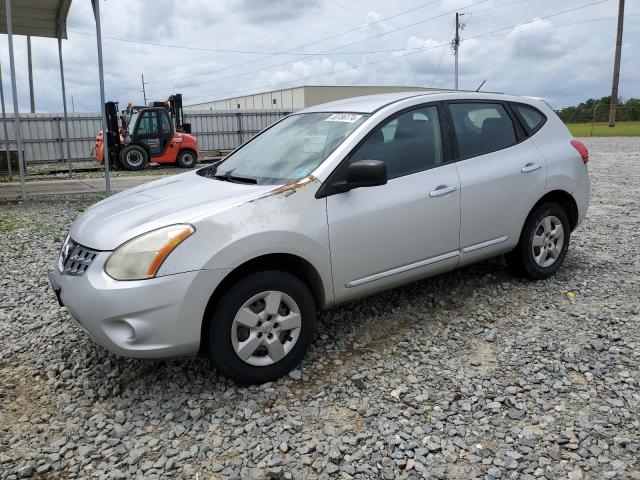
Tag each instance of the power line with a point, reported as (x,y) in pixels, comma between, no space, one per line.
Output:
(433,47)
(206,49)
(303,54)
(268,54)
(543,18)
(315,42)
(593,20)
(290,51)
(281,52)
(386,33)
(329,52)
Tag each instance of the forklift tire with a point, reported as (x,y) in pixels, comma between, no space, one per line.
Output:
(187,159)
(134,157)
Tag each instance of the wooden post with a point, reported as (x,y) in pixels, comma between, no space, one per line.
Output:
(616,67)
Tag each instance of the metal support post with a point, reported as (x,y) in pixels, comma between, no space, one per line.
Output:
(16,110)
(64,106)
(105,137)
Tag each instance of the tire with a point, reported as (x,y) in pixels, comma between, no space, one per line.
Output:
(244,323)
(134,157)
(187,159)
(549,225)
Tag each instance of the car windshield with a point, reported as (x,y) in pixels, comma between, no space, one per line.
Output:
(131,123)
(290,150)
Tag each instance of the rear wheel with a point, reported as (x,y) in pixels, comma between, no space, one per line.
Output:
(543,243)
(262,327)
(134,157)
(186,159)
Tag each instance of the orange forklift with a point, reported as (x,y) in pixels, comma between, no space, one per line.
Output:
(143,134)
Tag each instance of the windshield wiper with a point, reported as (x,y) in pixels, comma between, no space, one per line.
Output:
(228,177)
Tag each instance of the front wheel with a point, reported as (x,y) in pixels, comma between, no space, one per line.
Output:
(134,157)
(262,327)
(186,159)
(543,243)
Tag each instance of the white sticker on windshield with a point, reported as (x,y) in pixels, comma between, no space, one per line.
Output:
(344,117)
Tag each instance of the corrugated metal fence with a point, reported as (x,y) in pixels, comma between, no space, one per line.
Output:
(43,132)
(227,130)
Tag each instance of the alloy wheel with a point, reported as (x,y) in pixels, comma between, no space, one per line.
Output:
(266,328)
(548,240)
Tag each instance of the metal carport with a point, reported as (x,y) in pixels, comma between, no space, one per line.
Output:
(46,18)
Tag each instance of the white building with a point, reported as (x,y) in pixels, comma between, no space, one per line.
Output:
(296,98)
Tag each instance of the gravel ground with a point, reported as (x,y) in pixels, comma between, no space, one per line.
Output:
(473,374)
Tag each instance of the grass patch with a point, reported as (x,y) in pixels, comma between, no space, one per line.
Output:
(601,129)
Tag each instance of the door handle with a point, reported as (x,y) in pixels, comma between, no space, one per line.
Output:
(442,190)
(530,167)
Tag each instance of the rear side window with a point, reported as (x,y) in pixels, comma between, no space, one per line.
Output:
(481,128)
(531,117)
(409,143)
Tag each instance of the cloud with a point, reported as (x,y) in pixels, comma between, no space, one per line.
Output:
(536,40)
(542,57)
(275,11)
(375,24)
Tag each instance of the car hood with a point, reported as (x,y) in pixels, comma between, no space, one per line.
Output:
(177,199)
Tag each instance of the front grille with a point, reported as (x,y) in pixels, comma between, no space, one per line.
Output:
(75,258)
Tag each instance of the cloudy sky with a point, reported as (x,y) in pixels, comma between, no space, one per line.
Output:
(211,49)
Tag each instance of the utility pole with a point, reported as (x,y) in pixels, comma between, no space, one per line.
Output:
(73,107)
(616,67)
(30,67)
(456,47)
(144,93)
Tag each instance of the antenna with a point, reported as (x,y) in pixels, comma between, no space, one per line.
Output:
(483,82)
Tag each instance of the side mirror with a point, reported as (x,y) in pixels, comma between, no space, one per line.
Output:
(363,173)
(366,173)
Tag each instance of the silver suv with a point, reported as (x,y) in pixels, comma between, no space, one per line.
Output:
(329,204)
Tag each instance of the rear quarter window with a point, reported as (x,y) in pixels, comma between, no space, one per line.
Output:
(532,119)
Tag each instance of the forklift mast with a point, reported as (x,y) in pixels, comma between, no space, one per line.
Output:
(113,127)
(175,107)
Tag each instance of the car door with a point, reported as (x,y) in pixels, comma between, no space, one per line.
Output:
(408,228)
(148,132)
(166,129)
(502,175)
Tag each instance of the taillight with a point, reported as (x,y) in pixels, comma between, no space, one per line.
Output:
(582,150)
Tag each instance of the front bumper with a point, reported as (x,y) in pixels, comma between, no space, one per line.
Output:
(155,318)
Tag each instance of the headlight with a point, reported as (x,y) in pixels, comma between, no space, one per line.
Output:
(142,256)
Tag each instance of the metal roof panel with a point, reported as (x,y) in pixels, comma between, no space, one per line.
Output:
(37,18)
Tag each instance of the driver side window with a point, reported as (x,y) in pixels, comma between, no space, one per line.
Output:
(408,143)
(148,123)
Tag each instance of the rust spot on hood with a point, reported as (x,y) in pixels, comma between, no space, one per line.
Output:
(293,186)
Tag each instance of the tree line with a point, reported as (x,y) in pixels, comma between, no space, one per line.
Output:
(598,110)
